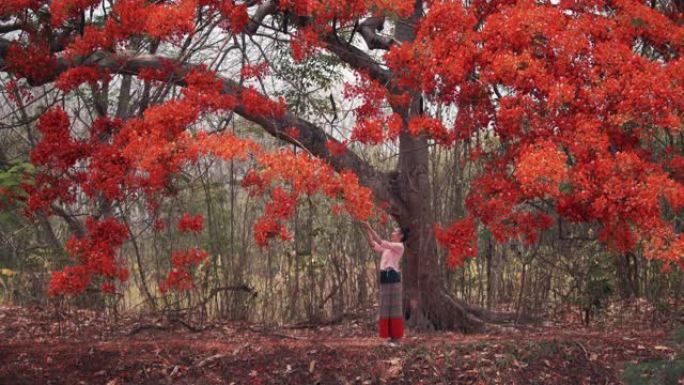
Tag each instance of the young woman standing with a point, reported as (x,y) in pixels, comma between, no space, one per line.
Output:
(391,323)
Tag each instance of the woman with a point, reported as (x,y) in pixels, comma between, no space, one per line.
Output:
(391,322)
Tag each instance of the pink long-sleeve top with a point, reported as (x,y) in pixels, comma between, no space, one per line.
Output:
(391,254)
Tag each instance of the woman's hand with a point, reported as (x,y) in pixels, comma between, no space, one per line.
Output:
(372,235)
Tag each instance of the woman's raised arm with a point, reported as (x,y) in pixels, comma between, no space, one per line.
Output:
(372,234)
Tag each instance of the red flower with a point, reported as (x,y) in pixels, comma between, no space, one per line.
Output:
(188,223)
(336,148)
(460,239)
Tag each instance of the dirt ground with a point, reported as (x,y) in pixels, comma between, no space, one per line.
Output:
(86,348)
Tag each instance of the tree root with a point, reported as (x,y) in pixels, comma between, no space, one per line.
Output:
(441,311)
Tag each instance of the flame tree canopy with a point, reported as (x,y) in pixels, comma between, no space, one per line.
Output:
(573,108)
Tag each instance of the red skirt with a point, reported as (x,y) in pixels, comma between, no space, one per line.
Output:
(391,323)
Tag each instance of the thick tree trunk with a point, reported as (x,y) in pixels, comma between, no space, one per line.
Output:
(427,304)
(627,273)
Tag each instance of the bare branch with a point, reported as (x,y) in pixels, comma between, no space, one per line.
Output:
(347,52)
(266,8)
(357,59)
(4,28)
(368,28)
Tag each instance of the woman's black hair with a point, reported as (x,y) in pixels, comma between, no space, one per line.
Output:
(404,234)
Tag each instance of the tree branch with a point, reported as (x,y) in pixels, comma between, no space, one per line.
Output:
(266,8)
(5,28)
(368,28)
(347,52)
(311,137)
(357,59)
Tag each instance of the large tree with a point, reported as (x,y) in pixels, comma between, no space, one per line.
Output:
(571,109)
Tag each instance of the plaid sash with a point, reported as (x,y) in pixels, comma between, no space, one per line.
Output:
(390,294)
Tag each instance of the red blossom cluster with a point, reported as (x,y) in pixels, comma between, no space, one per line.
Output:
(345,11)
(371,120)
(33,62)
(182,262)
(109,173)
(266,228)
(170,19)
(70,280)
(61,10)
(96,253)
(257,71)
(74,77)
(579,116)
(431,127)
(335,147)
(176,279)
(304,176)
(442,54)
(303,44)
(8,7)
(460,239)
(92,39)
(540,169)
(57,152)
(162,73)
(256,104)
(205,90)
(235,15)
(191,224)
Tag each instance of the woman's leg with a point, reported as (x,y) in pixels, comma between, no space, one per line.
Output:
(396,327)
(383,311)
(384,327)
(396,314)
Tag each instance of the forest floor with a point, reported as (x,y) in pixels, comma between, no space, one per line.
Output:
(88,349)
